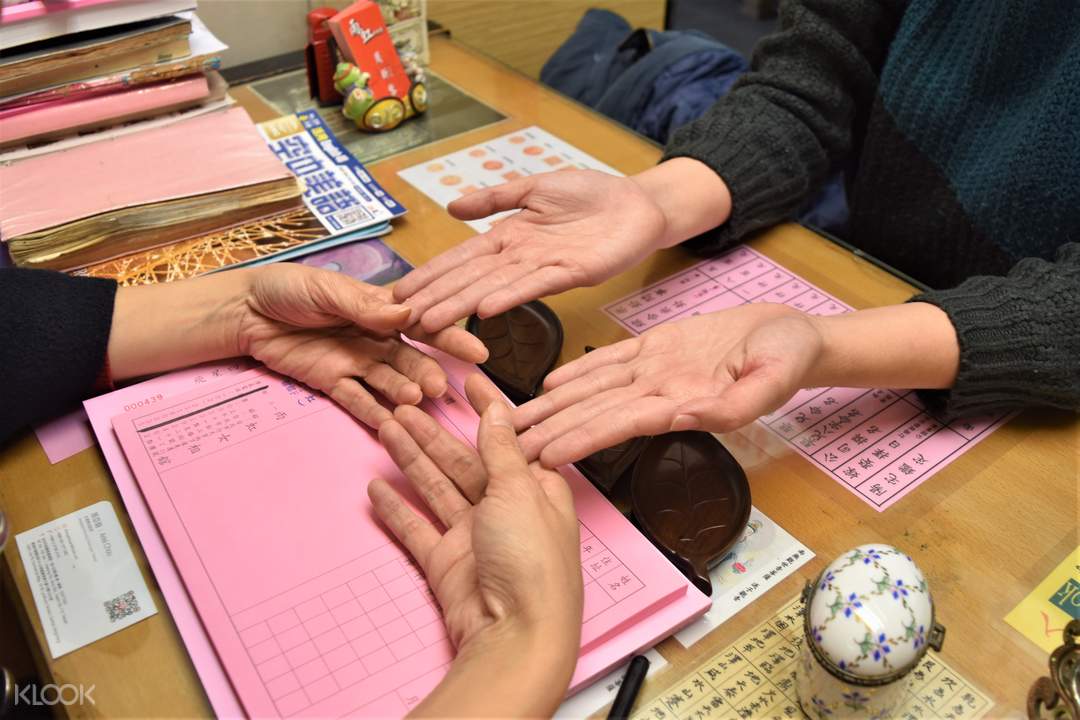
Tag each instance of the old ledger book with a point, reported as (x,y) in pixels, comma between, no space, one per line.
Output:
(64,60)
(70,209)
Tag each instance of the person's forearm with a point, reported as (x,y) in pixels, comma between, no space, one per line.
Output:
(506,674)
(693,197)
(171,325)
(901,346)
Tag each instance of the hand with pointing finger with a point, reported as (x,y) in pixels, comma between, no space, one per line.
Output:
(504,566)
(327,330)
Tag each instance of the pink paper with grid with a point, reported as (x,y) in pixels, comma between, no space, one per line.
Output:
(879,444)
(259,489)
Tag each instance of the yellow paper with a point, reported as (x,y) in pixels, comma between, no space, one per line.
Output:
(754,677)
(1045,612)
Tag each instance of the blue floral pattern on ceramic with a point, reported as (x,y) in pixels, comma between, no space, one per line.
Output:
(821,707)
(869,615)
(855,700)
(867,611)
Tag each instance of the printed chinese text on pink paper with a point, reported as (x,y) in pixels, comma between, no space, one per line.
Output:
(879,444)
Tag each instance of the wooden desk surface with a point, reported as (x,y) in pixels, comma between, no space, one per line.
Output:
(985,530)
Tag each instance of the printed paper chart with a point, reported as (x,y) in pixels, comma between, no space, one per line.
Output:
(509,157)
(880,444)
(754,677)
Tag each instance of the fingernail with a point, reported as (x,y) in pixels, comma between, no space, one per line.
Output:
(396,308)
(500,414)
(685,422)
(436,388)
(411,394)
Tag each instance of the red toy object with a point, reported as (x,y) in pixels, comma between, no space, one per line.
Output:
(319,54)
(363,39)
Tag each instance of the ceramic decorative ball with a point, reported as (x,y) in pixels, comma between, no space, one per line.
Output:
(869,621)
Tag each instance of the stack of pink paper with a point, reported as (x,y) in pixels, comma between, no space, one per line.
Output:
(278,575)
(54,118)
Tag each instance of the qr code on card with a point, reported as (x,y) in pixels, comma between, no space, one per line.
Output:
(122,606)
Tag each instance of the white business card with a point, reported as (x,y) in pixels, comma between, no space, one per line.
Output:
(765,555)
(85,581)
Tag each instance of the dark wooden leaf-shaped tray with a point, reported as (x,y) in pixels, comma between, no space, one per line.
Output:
(692,498)
(610,470)
(523,344)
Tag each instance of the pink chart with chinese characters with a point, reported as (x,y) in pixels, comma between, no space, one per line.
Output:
(258,487)
(880,444)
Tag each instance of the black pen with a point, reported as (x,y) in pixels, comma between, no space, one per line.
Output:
(628,691)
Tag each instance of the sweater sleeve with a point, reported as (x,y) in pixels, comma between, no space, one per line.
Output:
(55,331)
(1019,338)
(793,119)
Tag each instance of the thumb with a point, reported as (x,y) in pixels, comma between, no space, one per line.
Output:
(491,200)
(497,443)
(755,394)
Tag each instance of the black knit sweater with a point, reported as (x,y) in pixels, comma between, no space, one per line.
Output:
(958,124)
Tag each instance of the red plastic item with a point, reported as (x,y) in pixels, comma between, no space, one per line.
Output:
(363,39)
(320,56)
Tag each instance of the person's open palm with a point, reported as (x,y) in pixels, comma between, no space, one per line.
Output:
(714,372)
(509,543)
(336,334)
(574,228)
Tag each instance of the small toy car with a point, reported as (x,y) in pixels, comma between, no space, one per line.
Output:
(379,114)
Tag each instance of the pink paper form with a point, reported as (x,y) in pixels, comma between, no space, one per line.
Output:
(100,411)
(879,444)
(72,433)
(259,489)
(215,682)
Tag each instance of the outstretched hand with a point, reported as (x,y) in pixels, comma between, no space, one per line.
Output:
(714,372)
(336,334)
(573,228)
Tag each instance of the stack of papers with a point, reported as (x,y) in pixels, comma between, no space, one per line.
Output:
(119,100)
(23,22)
(48,64)
(97,74)
(249,497)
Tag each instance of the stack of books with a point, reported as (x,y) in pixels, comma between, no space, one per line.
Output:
(123,156)
(74,66)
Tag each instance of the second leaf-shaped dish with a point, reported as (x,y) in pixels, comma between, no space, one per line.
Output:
(692,498)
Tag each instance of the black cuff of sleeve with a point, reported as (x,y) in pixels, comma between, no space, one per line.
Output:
(1017,339)
(55,331)
(745,144)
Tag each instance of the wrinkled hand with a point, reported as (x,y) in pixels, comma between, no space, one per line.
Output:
(508,551)
(714,372)
(574,228)
(330,331)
